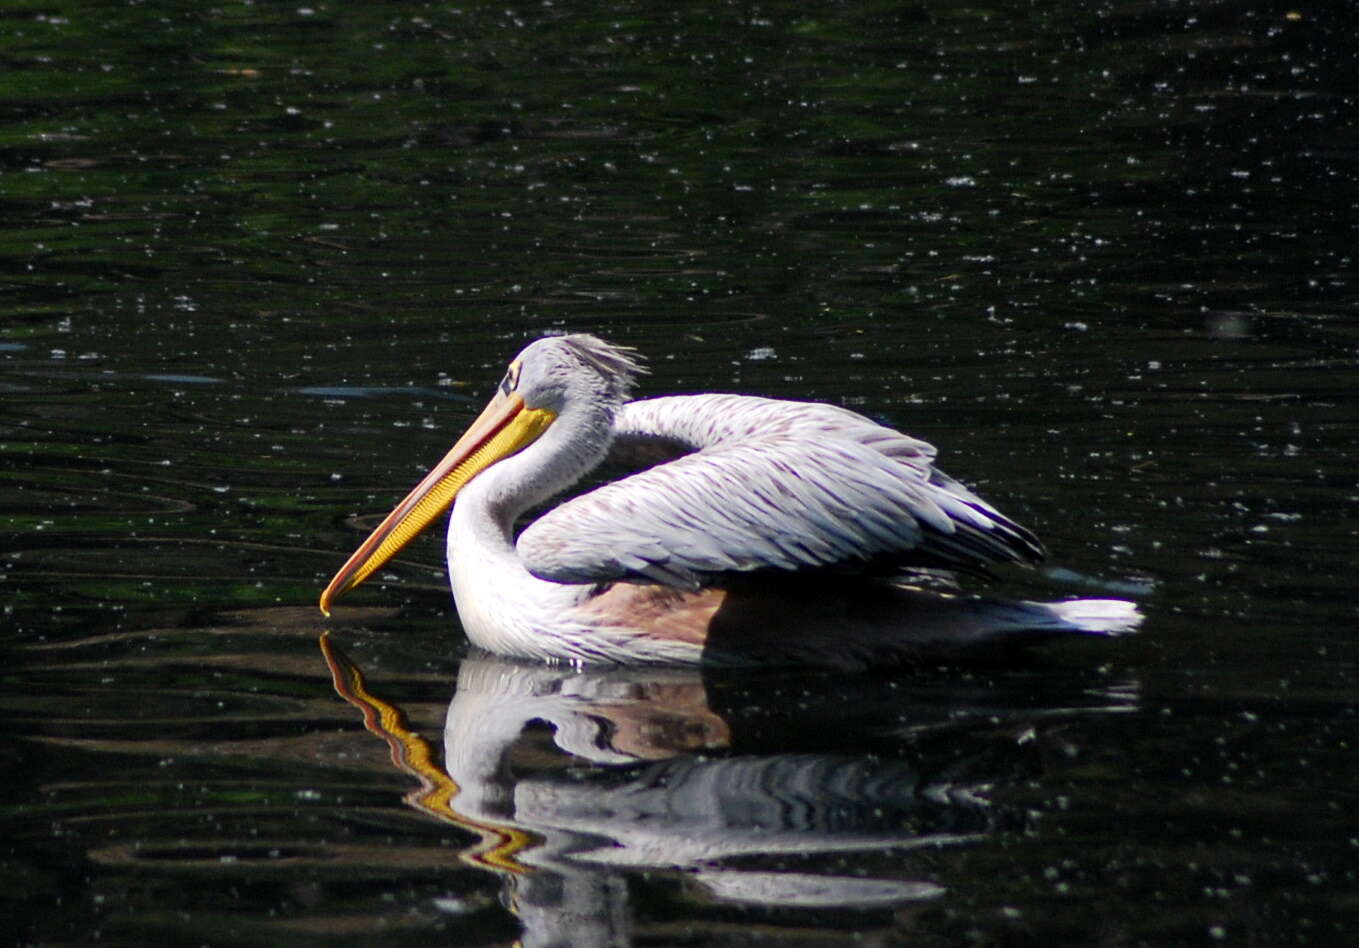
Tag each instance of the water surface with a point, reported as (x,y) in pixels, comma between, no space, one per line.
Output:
(263,262)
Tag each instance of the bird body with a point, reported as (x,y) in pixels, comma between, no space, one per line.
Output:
(771,531)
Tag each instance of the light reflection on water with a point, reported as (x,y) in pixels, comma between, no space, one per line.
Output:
(220,756)
(219,759)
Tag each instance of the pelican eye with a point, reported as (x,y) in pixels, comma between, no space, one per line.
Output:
(511,379)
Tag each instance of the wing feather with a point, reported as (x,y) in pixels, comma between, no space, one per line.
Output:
(771,484)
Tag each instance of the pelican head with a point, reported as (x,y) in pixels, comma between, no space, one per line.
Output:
(578,378)
(558,372)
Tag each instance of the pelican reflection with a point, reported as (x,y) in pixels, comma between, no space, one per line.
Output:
(574,782)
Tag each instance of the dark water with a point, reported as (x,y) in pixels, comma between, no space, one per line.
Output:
(262,261)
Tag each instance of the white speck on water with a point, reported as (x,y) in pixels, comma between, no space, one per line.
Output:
(453,906)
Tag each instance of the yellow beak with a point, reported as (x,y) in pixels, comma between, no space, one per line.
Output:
(505,427)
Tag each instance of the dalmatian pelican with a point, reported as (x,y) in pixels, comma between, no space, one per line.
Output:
(770,531)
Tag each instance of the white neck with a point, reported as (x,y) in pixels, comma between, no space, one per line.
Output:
(503,607)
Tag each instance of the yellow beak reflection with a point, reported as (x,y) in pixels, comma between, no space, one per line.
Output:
(505,427)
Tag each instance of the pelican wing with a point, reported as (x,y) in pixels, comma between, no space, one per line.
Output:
(770,484)
(679,424)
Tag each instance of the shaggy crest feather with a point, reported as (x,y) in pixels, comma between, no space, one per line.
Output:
(617,366)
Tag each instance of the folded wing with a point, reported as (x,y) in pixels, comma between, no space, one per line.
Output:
(769,485)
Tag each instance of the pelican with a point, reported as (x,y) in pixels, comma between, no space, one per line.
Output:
(773,532)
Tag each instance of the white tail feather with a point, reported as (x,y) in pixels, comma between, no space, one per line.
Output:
(1098,616)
